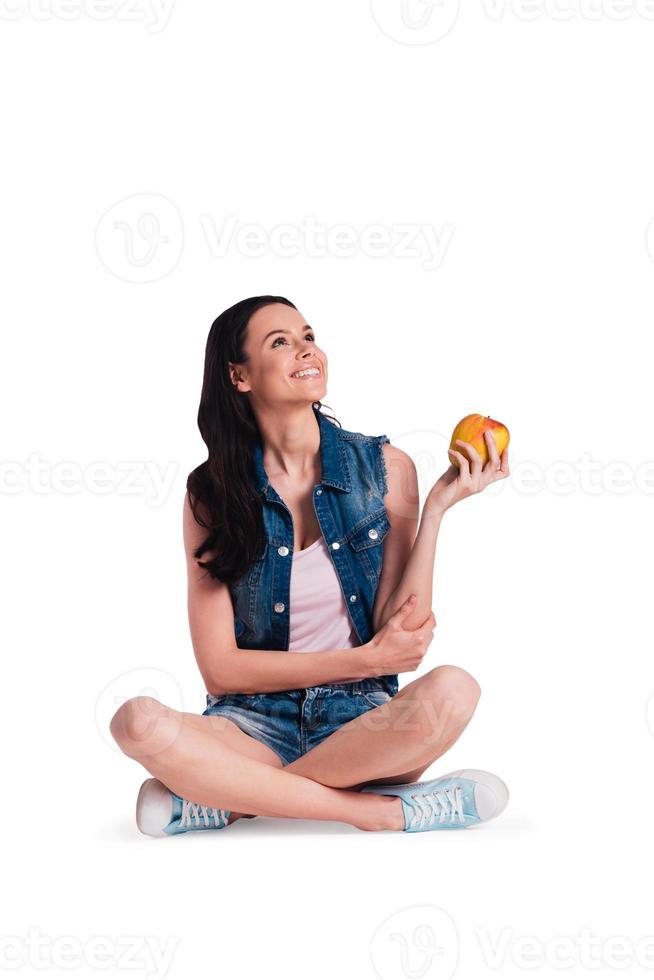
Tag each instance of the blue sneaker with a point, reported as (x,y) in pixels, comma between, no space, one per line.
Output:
(452,802)
(160,812)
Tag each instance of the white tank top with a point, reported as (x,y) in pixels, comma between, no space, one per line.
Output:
(319,619)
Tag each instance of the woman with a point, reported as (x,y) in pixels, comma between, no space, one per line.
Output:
(308,593)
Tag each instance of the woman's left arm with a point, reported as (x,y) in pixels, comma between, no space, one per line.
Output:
(409,560)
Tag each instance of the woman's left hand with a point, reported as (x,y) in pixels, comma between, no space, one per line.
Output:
(469,477)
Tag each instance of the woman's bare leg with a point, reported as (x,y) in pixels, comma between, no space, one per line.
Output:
(232,736)
(201,766)
(396,742)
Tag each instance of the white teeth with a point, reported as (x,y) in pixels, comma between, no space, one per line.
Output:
(308,371)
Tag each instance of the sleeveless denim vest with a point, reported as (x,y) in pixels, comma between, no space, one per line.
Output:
(349,506)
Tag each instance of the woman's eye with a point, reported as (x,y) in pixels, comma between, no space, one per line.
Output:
(309,335)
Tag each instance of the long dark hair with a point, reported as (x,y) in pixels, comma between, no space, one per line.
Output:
(221,495)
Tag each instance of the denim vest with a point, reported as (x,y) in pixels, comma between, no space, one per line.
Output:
(349,506)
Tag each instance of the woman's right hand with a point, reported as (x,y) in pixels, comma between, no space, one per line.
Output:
(394,649)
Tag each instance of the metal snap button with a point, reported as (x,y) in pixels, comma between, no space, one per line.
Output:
(353,598)
(319,490)
(335,545)
(373,533)
(279,607)
(282,551)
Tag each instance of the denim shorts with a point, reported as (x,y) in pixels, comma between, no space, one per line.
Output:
(292,722)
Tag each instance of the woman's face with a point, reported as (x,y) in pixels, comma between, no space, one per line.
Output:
(279,343)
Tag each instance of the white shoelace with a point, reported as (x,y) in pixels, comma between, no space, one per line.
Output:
(192,811)
(439,804)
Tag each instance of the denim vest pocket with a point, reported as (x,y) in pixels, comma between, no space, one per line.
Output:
(246,594)
(366,538)
(252,577)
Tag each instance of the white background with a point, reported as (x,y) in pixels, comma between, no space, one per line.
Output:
(520,138)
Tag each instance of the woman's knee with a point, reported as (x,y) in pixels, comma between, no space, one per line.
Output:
(448,696)
(455,685)
(144,726)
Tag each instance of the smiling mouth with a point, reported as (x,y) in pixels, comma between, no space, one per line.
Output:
(310,376)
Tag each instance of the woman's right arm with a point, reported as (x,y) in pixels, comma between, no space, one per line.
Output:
(226,668)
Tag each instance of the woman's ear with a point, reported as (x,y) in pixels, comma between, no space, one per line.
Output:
(235,374)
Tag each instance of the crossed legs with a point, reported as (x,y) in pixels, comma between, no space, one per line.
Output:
(209,760)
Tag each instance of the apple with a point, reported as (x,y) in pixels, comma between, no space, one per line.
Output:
(471,429)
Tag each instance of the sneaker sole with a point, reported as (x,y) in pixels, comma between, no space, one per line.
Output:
(143,803)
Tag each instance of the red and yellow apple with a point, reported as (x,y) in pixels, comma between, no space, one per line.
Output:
(471,429)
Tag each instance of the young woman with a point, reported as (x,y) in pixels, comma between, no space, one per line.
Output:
(309,591)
